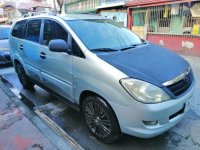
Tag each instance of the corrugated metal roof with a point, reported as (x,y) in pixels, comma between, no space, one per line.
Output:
(25,6)
(108,5)
(32,5)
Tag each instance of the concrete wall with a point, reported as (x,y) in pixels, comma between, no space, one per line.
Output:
(189,45)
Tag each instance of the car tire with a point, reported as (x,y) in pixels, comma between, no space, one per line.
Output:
(23,78)
(100,119)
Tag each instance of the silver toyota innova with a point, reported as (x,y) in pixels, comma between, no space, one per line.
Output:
(120,83)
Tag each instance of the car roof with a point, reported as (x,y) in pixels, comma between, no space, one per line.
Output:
(66,17)
(81,16)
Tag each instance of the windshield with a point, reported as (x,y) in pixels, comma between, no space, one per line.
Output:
(4,32)
(101,34)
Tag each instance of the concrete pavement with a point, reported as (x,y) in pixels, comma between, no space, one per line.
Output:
(16,131)
(21,129)
(6,69)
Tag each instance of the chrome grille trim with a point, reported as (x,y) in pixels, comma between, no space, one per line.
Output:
(178,78)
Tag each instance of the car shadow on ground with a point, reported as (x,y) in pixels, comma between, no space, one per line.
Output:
(72,122)
(2,66)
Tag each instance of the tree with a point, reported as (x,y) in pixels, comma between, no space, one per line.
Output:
(60,4)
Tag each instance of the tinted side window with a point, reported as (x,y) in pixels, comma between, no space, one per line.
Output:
(53,30)
(33,30)
(19,29)
(76,51)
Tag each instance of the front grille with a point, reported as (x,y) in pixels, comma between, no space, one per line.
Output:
(181,86)
(7,57)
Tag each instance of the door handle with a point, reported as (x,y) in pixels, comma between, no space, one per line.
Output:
(21,47)
(43,55)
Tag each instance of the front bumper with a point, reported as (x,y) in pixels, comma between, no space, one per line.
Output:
(167,114)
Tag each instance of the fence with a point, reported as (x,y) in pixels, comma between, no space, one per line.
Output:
(179,19)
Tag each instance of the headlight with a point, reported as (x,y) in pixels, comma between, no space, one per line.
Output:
(143,91)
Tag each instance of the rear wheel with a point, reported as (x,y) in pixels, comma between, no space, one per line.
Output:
(100,119)
(23,78)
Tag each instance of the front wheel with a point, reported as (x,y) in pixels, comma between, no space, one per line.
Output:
(23,78)
(100,119)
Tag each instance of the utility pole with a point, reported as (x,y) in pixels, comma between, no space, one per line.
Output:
(54,5)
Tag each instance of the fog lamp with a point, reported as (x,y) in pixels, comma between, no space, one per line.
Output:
(150,123)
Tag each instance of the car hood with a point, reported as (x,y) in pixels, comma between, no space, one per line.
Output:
(4,45)
(150,63)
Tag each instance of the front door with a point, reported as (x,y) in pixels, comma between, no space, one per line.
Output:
(56,67)
(139,24)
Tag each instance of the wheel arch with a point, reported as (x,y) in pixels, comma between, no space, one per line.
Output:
(16,62)
(87,93)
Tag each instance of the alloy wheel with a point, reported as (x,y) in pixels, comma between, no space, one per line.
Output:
(97,120)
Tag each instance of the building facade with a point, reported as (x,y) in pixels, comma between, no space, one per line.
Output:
(81,6)
(113,9)
(11,10)
(172,24)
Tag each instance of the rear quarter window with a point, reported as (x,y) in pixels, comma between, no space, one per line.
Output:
(19,29)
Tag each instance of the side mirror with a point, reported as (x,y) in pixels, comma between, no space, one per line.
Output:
(58,45)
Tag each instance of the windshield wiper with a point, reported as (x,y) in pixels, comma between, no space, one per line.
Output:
(104,50)
(132,46)
(129,47)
